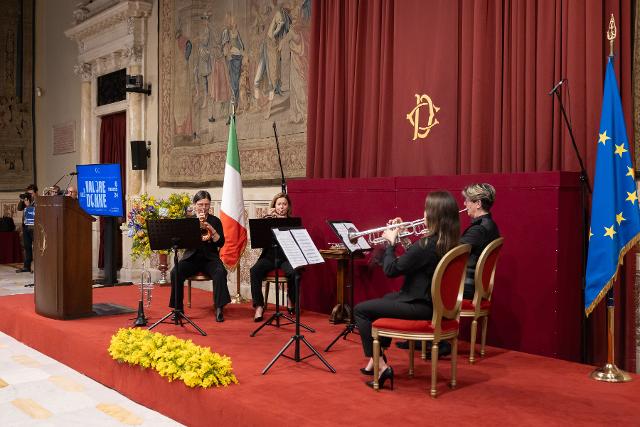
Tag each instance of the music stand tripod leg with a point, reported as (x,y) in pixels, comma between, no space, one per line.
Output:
(297,338)
(178,314)
(351,325)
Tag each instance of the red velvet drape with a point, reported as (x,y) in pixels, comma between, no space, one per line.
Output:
(487,66)
(113,143)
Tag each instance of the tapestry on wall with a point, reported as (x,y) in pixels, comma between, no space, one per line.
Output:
(250,56)
(16,89)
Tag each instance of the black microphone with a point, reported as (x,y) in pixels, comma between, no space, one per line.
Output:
(73,173)
(555,88)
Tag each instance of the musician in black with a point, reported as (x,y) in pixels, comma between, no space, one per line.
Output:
(280,207)
(204,259)
(417,264)
(478,199)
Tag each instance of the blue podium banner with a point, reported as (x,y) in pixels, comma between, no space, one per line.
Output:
(100,189)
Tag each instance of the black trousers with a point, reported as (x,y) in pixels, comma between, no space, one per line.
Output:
(390,305)
(27,241)
(259,271)
(194,264)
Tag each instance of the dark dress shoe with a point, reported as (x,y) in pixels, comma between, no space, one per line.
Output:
(387,374)
(23,270)
(219,315)
(365,371)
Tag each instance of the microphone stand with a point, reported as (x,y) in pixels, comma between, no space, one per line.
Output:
(584,187)
(69,182)
(283,183)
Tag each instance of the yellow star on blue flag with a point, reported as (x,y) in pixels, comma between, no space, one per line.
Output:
(613,205)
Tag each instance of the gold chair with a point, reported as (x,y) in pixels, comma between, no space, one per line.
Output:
(198,277)
(270,279)
(480,305)
(446,293)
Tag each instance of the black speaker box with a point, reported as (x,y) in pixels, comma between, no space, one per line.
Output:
(138,155)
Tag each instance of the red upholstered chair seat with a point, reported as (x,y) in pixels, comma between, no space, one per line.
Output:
(415,326)
(467,304)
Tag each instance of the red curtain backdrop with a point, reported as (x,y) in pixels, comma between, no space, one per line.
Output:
(113,143)
(488,66)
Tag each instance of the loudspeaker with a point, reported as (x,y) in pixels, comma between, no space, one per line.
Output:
(138,155)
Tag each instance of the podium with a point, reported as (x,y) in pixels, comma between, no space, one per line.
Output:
(62,258)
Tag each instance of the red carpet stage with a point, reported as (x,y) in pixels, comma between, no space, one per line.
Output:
(506,387)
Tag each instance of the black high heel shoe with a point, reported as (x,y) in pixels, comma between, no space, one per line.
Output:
(365,371)
(386,374)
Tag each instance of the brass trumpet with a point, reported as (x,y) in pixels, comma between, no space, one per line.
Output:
(205,232)
(412,228)
(374,235)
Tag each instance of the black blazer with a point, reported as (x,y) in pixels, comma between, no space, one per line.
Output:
(210,249)
(417,264)
(479,234)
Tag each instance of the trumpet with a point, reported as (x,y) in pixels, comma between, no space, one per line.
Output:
(416,228)
(205,232)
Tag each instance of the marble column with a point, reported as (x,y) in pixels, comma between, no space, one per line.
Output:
(86,118)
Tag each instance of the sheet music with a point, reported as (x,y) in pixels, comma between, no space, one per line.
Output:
(343,230)
(290,248)
(306,245)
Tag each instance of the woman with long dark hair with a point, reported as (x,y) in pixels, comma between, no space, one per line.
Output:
(417,265)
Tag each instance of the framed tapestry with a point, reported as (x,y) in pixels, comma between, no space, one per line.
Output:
(17,169)
(215,57)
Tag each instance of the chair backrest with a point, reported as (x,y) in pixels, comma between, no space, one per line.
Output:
(448,283)
(486,270)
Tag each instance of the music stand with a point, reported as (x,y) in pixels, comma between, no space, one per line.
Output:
(308,255)
(174,234)
(343,228)
(262,237)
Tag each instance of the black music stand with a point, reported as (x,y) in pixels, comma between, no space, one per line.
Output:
(262,237)
(342,230)
(297,337)
(174,234)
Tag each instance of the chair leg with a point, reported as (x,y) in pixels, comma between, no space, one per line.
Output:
(412,345)
(454,362)
(434,368)
(472,342)
(423,350)
(189,293)
(485,320)
(376,361)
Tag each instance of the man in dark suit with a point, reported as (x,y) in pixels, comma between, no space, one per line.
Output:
(205,258)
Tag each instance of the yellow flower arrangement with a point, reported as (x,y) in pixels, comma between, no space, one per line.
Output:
(146,208)
(172,357)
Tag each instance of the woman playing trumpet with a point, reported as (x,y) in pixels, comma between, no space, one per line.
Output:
(280,207)
(417,264)
(204,258)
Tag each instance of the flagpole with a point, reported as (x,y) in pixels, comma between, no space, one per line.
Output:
(610,372)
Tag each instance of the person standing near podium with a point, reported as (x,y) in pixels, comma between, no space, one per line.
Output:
(280,207)
(204,258)
(28,198)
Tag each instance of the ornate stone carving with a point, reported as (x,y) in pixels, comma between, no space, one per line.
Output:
(84,71)
(81,13)
(133,53)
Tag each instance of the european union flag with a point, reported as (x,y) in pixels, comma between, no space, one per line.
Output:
(615,217)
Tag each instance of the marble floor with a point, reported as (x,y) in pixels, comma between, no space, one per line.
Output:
(36,390)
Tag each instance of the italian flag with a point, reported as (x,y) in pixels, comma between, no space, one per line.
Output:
(232,213)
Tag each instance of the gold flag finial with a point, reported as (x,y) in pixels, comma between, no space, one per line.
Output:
(611,34)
